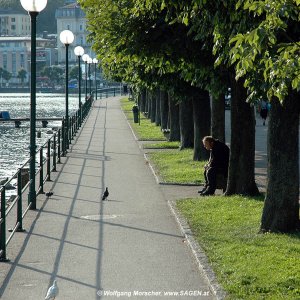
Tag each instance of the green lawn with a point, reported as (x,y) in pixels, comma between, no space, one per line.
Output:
(146,131)
(177,166)
(248,265)
(162,145)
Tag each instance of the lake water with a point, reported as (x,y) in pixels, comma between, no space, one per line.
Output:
(14,142)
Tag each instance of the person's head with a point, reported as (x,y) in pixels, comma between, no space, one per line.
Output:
(208,142)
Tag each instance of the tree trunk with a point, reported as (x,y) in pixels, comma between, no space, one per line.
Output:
(142,100)
(241,179)
(186,124)
(157,105)
(164,109)
(174,120)
(149,102)
(218,118)
(201,117)
(153,107)
(281,207)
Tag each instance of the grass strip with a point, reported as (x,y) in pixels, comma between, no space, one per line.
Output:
(145,131)
(162,145)
(249,265)
(174,166)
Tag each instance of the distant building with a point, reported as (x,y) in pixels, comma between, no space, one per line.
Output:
(14,23)
(15,54)
(72,17)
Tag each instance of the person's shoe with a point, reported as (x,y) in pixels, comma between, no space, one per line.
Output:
(204,188)
(201,191)
(206,193)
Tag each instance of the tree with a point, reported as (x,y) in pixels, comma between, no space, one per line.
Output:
(1,75)
(73,74)
(22,73)
(54,73)
(268,57)
(144,41)
(6,76)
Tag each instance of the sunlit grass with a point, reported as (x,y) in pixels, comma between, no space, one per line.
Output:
(145,131)
(177,166)
(249,265)
(162,145)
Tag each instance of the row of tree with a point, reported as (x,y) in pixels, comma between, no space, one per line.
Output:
(189,51)
(6,75)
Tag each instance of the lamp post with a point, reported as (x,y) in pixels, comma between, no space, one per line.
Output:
(85,58)
(33,7)
(79,51)
(95,61)
(90,61)
(67,38)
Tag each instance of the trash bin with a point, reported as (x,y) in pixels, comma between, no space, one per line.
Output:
(135,111)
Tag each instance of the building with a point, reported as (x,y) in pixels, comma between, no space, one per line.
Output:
(72,17)
(14,23)
(15,54)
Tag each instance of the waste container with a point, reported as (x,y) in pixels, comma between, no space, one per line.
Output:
(135,111)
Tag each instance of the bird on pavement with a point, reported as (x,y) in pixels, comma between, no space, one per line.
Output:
(52,291)
(105,194)
(49,194)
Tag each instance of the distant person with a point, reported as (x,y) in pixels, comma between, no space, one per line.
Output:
(125,89)
(218,163)
(264,111)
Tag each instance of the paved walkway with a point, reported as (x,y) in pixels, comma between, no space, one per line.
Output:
(129,244)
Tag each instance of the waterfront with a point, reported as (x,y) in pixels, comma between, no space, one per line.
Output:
(14,147)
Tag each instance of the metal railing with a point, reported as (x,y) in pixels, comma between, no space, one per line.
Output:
(56,147)
(108,92)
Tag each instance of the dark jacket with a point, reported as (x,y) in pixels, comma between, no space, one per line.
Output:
(219,156)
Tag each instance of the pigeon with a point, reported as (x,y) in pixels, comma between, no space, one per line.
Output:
(52,291)
(105,194)
(49,194)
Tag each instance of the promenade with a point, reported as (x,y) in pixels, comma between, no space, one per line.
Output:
(127,247)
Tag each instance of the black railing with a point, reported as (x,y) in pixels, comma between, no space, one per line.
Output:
(56,147)
(108,92)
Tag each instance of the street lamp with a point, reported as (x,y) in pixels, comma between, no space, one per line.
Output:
(67,38)
(85,58)
(33,7)
(79,51)
(95,61)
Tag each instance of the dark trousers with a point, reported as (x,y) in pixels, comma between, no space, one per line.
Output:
(210,175)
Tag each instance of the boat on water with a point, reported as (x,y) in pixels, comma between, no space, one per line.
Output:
(4,115)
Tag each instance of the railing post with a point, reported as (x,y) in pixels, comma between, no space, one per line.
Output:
(19,203)
(3,227)
(58,146)
(41,171)
(54,152)
(69,134)
(48,162)
(63,136)
(80,115)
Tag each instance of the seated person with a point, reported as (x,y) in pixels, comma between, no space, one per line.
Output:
(218,163)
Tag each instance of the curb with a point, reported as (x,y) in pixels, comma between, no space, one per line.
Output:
(198,253)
